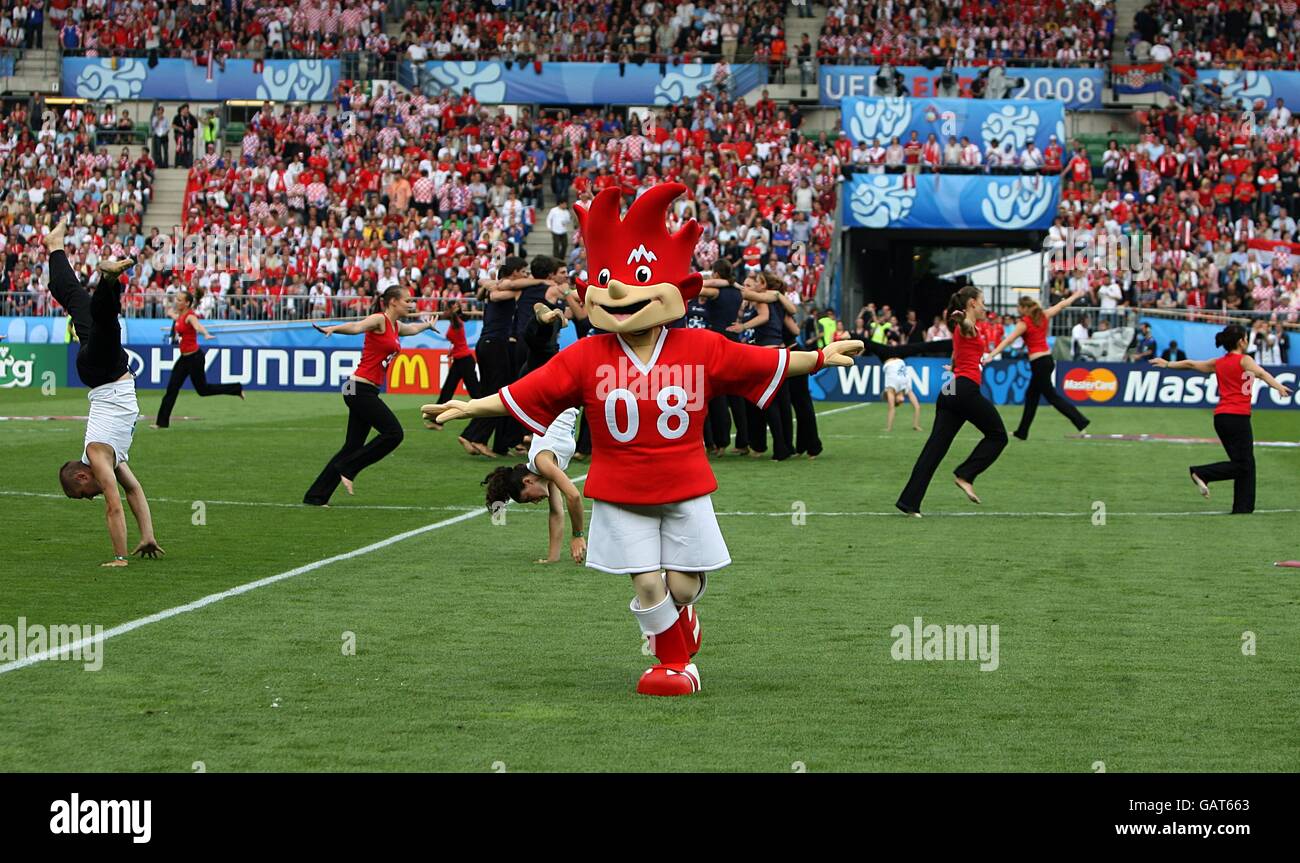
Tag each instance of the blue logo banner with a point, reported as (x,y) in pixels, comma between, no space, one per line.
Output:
(263,368)
(981,120)
(576,83)
(951,201)
(1269,86)
(183,81)
(1078,89)
(1005,381)
(1142,384)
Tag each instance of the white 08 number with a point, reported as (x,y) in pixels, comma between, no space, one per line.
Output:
(673,419)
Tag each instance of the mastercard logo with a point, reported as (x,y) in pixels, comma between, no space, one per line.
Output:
(1100,385)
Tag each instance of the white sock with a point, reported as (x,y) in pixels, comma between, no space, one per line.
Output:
(660,618)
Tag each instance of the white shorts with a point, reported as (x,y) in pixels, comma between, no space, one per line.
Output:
(897,377)
(627,539)
(113,412)
(560,441)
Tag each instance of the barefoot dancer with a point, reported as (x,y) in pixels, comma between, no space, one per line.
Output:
(190,363)
(959,402)
(1235,373)
(543,477)
(1033,326)
(898,389)
(463,367)
(361,395)
(102,365)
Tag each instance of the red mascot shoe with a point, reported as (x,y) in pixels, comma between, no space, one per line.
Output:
(689,622)
(676,674)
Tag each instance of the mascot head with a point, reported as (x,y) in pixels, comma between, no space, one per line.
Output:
(640,275)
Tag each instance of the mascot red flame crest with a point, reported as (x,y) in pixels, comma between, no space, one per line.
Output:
(631,259)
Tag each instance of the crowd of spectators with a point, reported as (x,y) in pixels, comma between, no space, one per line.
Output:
(216,31)
(513,31)
(22,24)
(434,193)
(49,163)
(586,30)
(1037,32)
(1214,196)
(954,156)
(1216,33)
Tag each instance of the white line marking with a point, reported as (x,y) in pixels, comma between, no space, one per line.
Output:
(841,410)
(524,510)
(264,503)
(210,599)
(893,513)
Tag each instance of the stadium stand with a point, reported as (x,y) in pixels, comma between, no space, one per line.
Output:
(1047,32)
(433,190)
(1207,34)
(53,158)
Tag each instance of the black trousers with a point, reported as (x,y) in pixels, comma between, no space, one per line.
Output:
(952,411)
(191,366)
(723,410)
(365,412)
(806,439)
(496,362)
(777,417)
(463,369)
(160,147)
(100,358)
(1040,386)
(1238,440)
(584,435)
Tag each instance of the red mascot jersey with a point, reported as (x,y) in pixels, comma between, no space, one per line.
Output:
(647,422)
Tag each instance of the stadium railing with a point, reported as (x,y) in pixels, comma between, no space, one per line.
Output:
(1131,316)
(1049,62)
(234,307)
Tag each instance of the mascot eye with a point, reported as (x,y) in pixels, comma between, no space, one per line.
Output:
(603,277)
(643,274)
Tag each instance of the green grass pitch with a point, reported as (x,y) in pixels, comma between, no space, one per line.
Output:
(1119,643)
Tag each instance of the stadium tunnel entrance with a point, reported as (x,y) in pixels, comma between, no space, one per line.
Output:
(905,269)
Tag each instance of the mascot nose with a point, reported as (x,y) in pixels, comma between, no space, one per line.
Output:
(617,290)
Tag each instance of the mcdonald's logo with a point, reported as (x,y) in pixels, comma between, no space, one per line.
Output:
(403,374)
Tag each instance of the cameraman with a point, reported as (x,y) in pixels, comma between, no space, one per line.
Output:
(948,86)
(889,82)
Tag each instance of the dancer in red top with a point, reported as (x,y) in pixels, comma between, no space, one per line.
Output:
(647,388)
(190,363)
(959,402)
(1235,374)
(1033,325)
(462,366)
(361,395)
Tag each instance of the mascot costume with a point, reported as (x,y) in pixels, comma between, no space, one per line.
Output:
(646,389)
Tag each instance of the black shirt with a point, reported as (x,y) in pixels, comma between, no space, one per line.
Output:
(541,340)
(498,319)
(723,310)
(772,332)
(697,314)
(524,314)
